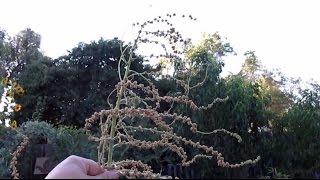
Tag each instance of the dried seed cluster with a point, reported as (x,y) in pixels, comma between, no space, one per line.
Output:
(166,39)
(15,155)
(115,131)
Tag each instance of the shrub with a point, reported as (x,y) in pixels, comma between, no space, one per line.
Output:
(62,141)
(8,143)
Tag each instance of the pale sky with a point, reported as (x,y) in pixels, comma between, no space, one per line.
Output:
(284,33)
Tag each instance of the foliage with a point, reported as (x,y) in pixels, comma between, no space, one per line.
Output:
(251,66)
(69,89)
(63,141)
(74,141)
(299,128)
(274,174)
(38,132)
(18,51)
(8,143)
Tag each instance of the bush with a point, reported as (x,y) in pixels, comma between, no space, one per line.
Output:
(63,141)
(74,141)
(8,142)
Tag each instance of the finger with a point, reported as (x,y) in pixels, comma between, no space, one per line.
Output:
(91,167)
(106,175)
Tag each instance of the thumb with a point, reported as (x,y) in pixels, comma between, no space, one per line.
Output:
(106,175)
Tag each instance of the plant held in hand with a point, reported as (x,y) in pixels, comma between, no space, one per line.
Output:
(137,97)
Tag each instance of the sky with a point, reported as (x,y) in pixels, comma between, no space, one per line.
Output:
(283,33)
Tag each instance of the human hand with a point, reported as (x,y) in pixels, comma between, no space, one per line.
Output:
(75,167)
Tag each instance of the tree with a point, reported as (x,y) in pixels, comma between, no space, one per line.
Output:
(296,144)
(3,51)
(279,100)
(18,51)
(251,66)
(46,86)
(272,83)
(70,88)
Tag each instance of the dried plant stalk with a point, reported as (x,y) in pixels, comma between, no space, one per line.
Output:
(145,104)
(15,155)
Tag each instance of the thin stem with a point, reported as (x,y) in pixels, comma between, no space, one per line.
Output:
(114,118)
(235,135)
(125,79)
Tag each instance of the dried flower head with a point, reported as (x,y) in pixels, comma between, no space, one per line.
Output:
(5,81)
(17,107)
(15,155)
(10,94)
(19,90)
(14,84)
(141,100)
